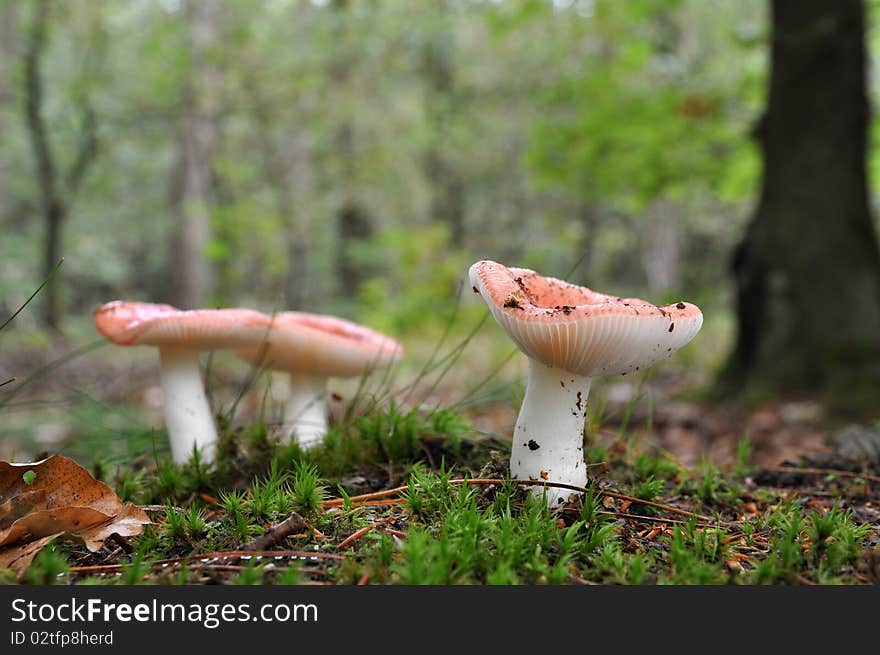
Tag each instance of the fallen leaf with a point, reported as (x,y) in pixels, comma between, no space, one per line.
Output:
(19,557)
(129,522)
(58,498)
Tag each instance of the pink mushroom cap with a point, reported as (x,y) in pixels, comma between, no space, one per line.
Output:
(137,323)
(324,346)
(580,330)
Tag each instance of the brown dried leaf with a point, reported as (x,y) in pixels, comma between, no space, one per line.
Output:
(19,557)
(64,482)
(43,522)
(127,523)
(63,500)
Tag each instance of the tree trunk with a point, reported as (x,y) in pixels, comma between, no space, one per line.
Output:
(192,278)
(57,189)
(50,200)
(354,226)
(661,247)
(353,222)
(292,192)
(8,47)
(808,268)
(447,186)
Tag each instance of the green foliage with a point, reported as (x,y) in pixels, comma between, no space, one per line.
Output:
(696,556)
(48,567)
(646,119)
(137,571)
(129,484)
(647,489)
(710,485)
(473,545)
(387,435)
(651,465)
(307,492)
(743,457)
(835,539)
(270,498)
(251,574)
(421,277)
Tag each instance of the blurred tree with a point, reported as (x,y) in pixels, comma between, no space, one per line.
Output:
(354,224)
(287,165)
(190,269)
(8,55)
(438,69)
(808,268)
(57,187)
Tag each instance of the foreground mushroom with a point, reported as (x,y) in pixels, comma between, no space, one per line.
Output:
(312,348)
(180,336)
(571,334)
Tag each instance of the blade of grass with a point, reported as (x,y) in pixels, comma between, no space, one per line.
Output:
(43,371)
(34,294)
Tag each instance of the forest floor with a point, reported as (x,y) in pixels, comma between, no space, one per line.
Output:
(681,491)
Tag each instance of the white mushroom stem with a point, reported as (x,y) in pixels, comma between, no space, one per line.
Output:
(188,415)
(548,440)
(305,412)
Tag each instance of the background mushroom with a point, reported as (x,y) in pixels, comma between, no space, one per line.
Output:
(180,336)
(571,334)
(312,348)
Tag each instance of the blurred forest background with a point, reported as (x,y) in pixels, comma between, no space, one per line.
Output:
(355,156)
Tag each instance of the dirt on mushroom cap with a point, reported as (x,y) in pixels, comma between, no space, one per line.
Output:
(580,330)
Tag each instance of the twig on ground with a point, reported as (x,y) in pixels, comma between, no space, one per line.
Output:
(528,483)
(228,554)
(291,525)
(740,535)
(579,580)
(121,543)
(650,503)
(820,471)
(652,519)
(350,539)
(804,581)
